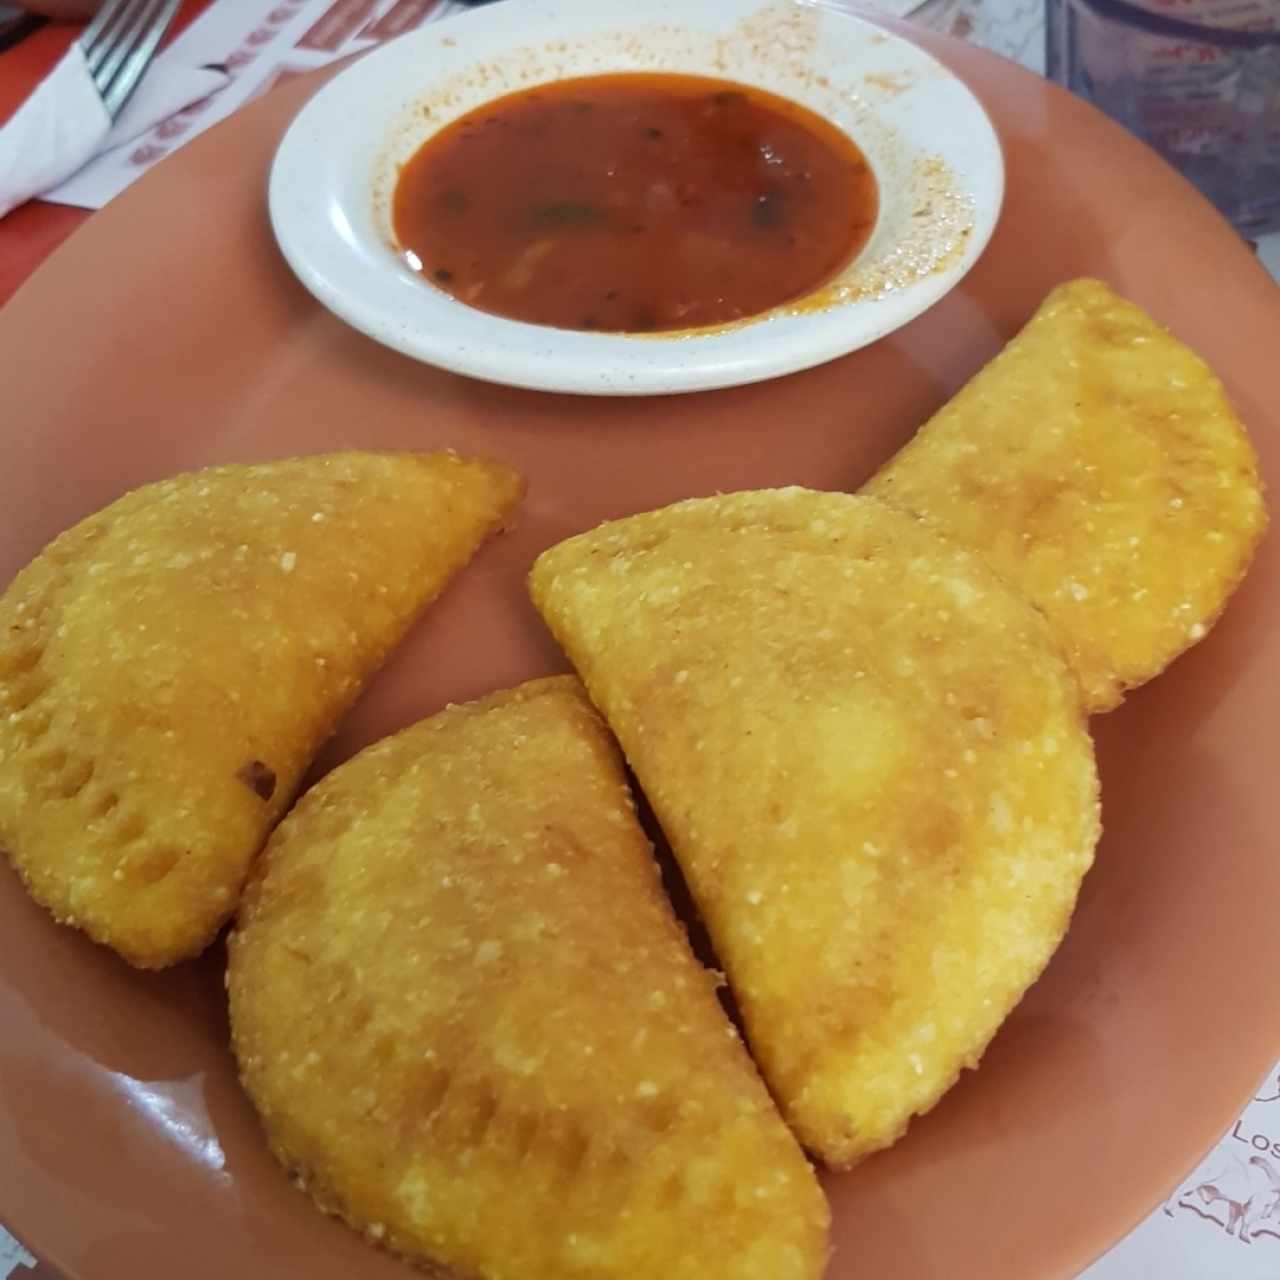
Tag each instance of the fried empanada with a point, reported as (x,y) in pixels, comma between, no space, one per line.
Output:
(1097,465)
(872,766)
(474,1029)
(170,666)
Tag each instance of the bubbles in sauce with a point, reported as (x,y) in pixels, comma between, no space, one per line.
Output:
(634,203)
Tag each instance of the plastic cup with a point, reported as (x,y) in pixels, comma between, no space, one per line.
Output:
(1199,80)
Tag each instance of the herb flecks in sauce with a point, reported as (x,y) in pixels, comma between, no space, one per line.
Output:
(635,202)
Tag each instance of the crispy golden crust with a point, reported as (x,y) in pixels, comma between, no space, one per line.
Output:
(170,665)
(474,1029)
(872,767)
(1097,465)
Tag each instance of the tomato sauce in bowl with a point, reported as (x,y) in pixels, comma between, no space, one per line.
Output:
(634,202)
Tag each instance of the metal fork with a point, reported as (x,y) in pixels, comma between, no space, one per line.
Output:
(119,44)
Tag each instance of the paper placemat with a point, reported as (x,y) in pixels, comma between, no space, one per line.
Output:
(259,45)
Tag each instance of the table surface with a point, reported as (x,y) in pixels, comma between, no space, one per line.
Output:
(1187,1237)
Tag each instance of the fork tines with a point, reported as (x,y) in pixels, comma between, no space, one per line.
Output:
(119,44)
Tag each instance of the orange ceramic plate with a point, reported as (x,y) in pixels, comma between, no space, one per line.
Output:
(169,334)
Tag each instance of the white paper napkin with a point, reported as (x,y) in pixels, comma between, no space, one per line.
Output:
(63,124)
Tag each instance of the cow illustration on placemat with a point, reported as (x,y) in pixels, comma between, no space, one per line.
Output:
(1238,1192)
(1270,1092)
(1237,1185)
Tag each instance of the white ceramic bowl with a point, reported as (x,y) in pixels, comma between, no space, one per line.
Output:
(933,150)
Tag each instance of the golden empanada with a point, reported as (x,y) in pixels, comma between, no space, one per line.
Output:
(1097,465)
(474,1029)
(170,665)
(872,766)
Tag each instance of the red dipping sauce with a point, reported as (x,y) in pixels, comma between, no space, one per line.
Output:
(635,203)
